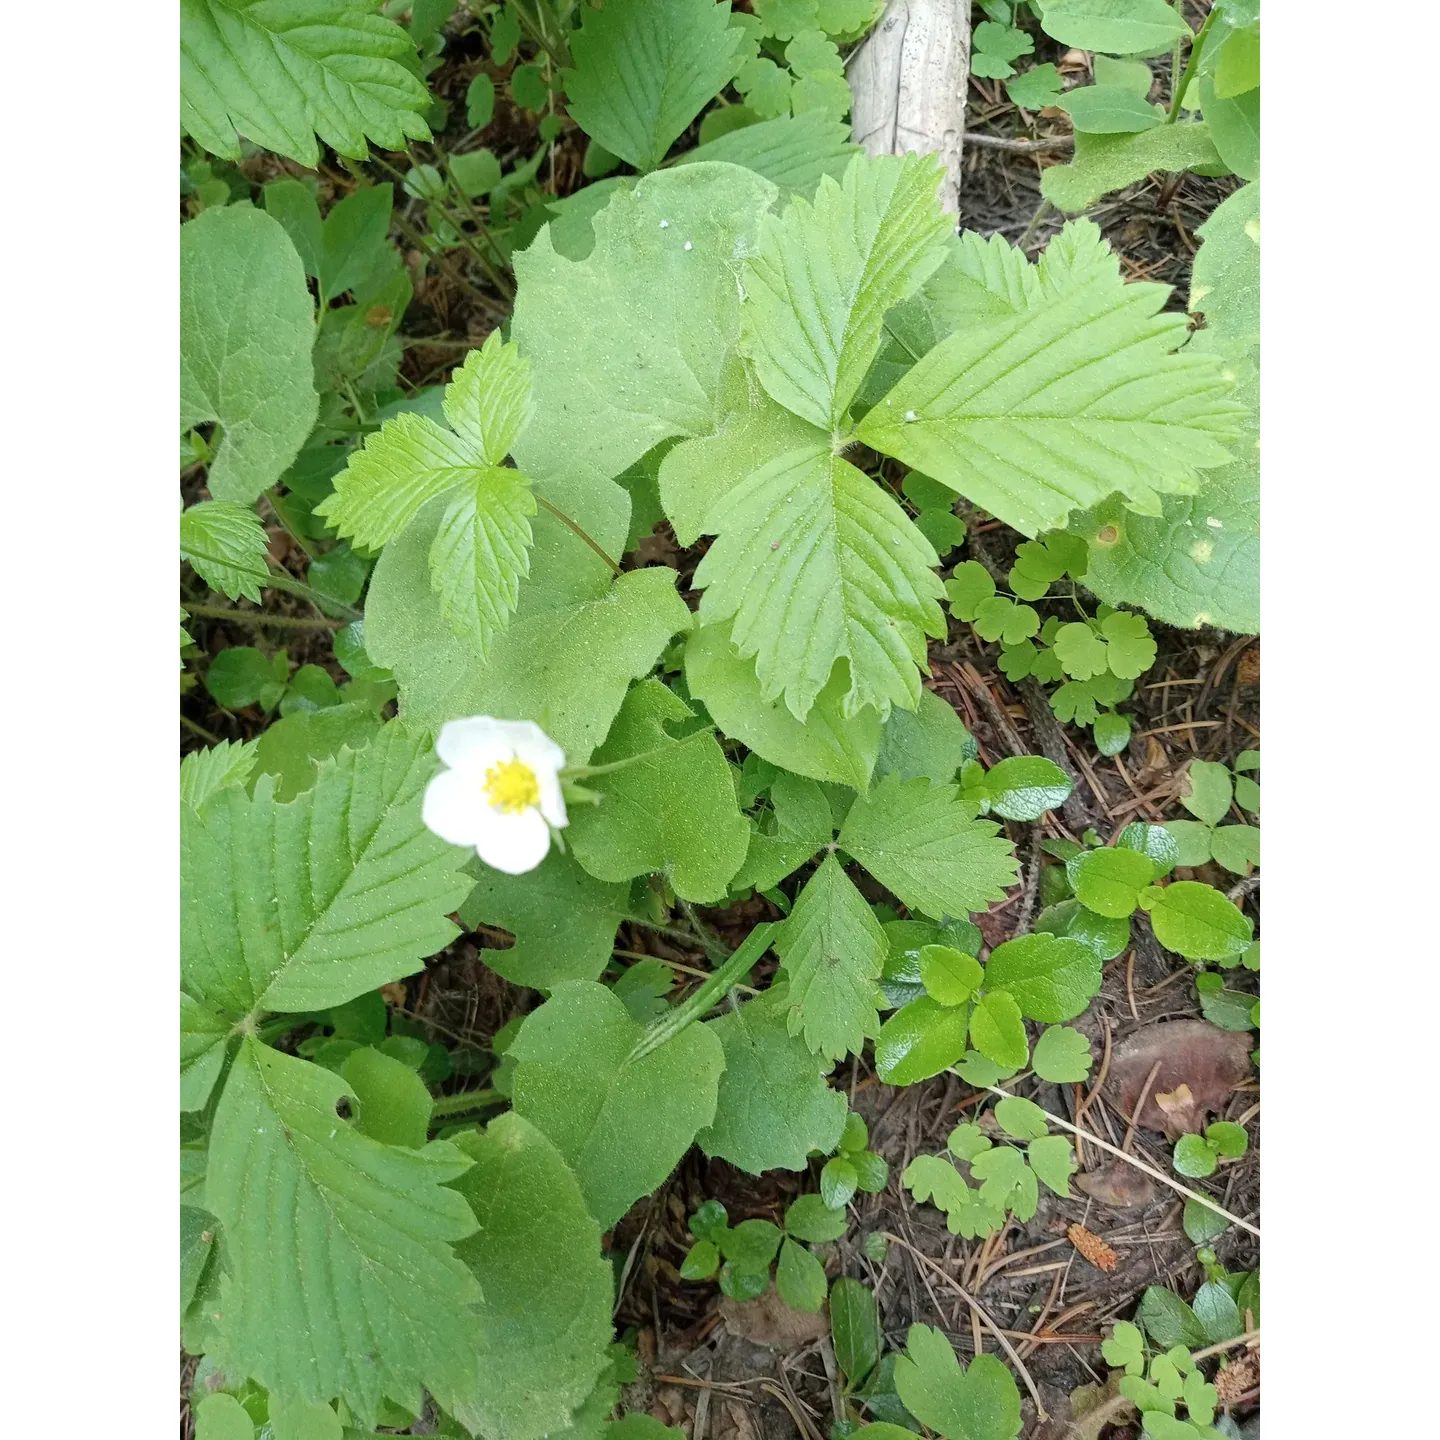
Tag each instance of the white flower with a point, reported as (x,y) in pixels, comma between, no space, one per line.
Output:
(501,792)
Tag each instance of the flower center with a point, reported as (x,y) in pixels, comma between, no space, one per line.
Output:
(512,786)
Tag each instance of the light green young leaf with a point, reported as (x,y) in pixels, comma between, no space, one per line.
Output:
(1192,837)
(280,72)
(825,273)
(1209,791)
(671,812)
(1038,87)
(302,906)
(920,841)
(540,1348)
(933,1178)
(816,562)
(620,1124)
(773,1107)
(950,976)
(979,1403)
(1197,921)
(326,1229)
(800,1278)
(394,1105)
(1112,733)
(659,313)
(1069,918)
(1050,978)
(994,46)
(246,331)
(353,239)
(832,952)
(824,746)
(1118,27)
(1236,847)
(643,71)
(291,1419)
(1104,163)
(1058,405)
(1002,619)
(1053,1161)
(1008,1182)
(1062,1055)
(203,772)
(793,152)
(1109,110)
(922,1038)
(1109,881)
(1130,648)
(226,544)
(997,1030)
(563,919)
(1024,787)
(1225,282)
(1081,652)
(969,587)
(1020,1118)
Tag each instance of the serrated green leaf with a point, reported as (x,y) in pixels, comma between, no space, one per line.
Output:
(1168,1320)
(246,331)
(300,906)
(997,1030)
(817,288)
(933,1178)
(1055,406)
(620,1124)
(327,1230)
(204,1036)
(226,543)
(292,747)
(540,1348)
(816,562)
(800,1278)
(979,1403)
(1050,978)
(644,71)
(793,152)
(282,71)
(1110,881)
(921,1039)
(1197,921)
(802,825)
(1111,162)
(773,1105)
(824,746)
(832,951)
(920,841)
(671,812)
(1062,1055)
(203,772)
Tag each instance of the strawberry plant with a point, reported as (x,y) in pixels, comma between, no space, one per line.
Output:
(619,623)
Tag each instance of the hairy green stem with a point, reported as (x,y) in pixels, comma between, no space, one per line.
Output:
(297,587)
(565,520)
(587,772)
(259,619)
(200,730)
(720,983)
(463,1103)
(277,505)
(1197,44)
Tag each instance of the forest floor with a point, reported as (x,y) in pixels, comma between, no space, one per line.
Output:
(724,1371)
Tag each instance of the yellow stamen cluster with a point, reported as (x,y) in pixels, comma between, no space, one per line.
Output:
(512,786)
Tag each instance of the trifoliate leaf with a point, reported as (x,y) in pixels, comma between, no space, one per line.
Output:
(854,1328)
(672,811)
(929,743)
(1070,919)
(1050,978)
(323,1225)
(1236,847)
(816,562)
(1053,1161)
(643,72)
(1118,27)
(810,1219)
(246,332)
(832,950)
(302,906)
(994,46)
(1209,791)
(701,1262)
(800,1278)
(1247,792)
(1023,1119)
(997,1030)
(812,330)
(1062,1055)
(226,544)
(824,746)
(1225,284)
(921,1039)
(620,1124)
(1009,1183)
(1197,921)
(1130,648)
(766,87)
(203,772)
(1036,88)
(1109,881)
(1035,569)
(1104,163)
(791,152)
(933,1178)
(541,1348)
(1109,110)
(563,920)
(1004,620)
(979,1403)
(773,1106)
(1057,405)
(280,72)
(1024,787)
(920,841)
(660,313)
(969,586)
(1081,652)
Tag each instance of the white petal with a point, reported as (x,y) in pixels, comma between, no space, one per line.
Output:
(513,843)
(454,807)
(459,739)
(552,802)
(534,746)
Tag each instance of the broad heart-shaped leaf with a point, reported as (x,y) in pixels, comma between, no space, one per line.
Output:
(278,71)
(306,905)
(823,746)
(226,544)
(774,1106)
(562,918)
(541,1347)
(620,1124)
(1051,978)
(981,1402)
(661,304)
(643,71)
(1061,404)
(673,811)
(833,950)
(817,290)
(247,325)
(922,842)
(816,562)
(341,1280)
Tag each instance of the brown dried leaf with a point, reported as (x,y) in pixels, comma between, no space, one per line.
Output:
(1175,1101)
(1117,1184)
(1234,1379)
(770,1321)
(1093,1248)
(1193,1053)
